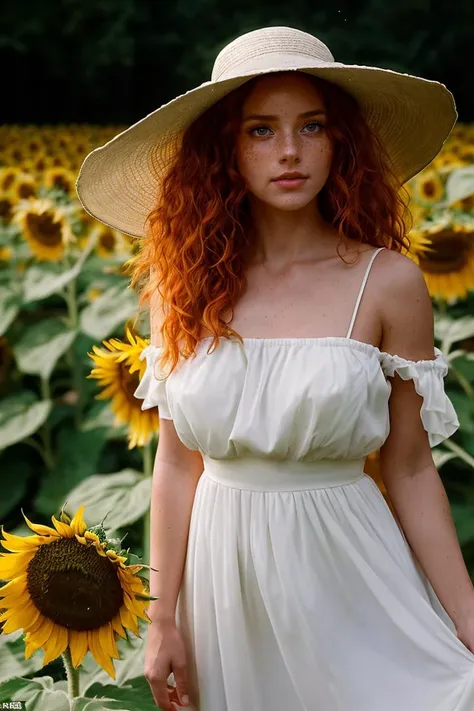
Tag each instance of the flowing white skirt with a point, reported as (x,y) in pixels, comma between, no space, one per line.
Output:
(301,593)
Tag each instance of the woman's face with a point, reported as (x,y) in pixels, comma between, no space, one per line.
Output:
(289,136)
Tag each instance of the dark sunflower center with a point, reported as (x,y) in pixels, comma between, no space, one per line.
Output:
(429,188)
(61,183)
(450,253)
(26,190)
(73,585)
(8,181)
(129,382)
(5,209)
(107,241)
(44,229)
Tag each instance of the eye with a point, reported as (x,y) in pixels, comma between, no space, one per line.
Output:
(264,128)
(315,123)
(257,128)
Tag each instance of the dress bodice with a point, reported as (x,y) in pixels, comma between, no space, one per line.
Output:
(292,398)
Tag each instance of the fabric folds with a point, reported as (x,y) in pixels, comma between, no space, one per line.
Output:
(437,412)
(151,390)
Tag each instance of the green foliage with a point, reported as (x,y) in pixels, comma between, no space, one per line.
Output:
(123,497)
(19,418)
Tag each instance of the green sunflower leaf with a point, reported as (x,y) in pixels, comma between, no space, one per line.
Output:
(41,346)
(38,693)
(134,695)
(109,311)
(9,307)
(460,184)
(19,419)
(43,279)
(12,659)
(124,496)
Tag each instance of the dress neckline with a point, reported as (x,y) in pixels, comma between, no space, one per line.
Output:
(347,341)
(303,340)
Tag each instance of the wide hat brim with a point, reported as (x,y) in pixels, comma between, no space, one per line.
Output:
(119,182)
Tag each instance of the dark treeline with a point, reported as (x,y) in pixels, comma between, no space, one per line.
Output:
(113,61)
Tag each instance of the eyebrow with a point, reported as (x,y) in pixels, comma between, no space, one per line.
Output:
(267,117)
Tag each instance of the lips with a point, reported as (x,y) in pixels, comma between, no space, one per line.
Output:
(291,176)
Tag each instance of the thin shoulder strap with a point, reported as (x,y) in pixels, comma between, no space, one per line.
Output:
(361,291)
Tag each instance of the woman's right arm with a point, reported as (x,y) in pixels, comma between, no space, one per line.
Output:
(176,473)
(175,478)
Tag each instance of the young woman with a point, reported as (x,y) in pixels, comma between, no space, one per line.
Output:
(300,340)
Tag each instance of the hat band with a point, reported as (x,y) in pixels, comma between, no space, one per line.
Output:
(269,62)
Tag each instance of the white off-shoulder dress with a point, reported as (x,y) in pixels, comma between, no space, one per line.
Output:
(300,591)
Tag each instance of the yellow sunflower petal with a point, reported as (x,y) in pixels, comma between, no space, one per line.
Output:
(107,640)
(99,654)
(131,604)
(35,627)
(128,620)
(16,600)
(20,544)
(64,529)
(15,586)
(11,626)
(14,564)
(40,529)
(30,649)
(78,646)
(118,627)
(78,526)
(23,617)
(56,645)
(42,635)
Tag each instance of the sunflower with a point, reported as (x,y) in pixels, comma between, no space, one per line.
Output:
(6,208)
(448,262)
(110,242)
(68,588)
(41,162)
(6,254)
(61,179)
(24,187)
(8,178)
(93,293)
(448,159)
(119,371)
(429,186)
(45,227)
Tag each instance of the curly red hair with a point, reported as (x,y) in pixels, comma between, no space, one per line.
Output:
(199,239)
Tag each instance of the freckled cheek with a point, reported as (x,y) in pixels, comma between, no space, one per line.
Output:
(249,160)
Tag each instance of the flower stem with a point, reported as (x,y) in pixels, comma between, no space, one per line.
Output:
(459,451)
(463,381)
(72,675)
(70,295)
(147,471)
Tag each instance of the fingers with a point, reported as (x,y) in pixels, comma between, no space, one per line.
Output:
(181,680)
(160,692)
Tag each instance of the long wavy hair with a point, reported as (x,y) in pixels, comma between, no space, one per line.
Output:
(200,240)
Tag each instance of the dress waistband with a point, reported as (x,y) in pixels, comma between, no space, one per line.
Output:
(259,474)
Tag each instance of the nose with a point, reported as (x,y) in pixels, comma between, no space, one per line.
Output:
(289,147)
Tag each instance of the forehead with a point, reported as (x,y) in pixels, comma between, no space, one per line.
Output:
(292,86)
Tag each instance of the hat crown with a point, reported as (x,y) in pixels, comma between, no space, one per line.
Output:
(267,46)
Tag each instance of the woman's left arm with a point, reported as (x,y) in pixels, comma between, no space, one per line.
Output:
(407,468)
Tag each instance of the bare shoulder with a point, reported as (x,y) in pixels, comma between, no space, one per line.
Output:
(405,306)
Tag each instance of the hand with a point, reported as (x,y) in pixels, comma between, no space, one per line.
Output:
(465,632)
(165,653)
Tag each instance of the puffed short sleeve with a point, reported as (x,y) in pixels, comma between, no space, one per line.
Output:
(437,412)
(151,390)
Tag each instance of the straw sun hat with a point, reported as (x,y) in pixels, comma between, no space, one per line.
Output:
(119,182)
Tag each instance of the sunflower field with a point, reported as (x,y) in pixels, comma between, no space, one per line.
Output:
(77,450)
